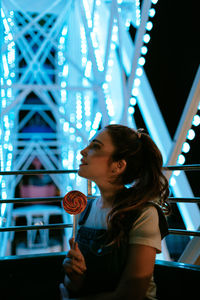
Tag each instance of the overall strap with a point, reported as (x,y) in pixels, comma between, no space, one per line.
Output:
(84,215)
(163,225)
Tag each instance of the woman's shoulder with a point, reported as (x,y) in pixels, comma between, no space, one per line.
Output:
(145,229)
(148,214)
(151,218)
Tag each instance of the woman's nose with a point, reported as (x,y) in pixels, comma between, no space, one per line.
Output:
(84,152)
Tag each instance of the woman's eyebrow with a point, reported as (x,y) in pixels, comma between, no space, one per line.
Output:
(97,141)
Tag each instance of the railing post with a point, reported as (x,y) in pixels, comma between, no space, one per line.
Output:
(89,188)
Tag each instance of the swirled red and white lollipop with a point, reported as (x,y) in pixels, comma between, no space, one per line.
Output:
(74,202)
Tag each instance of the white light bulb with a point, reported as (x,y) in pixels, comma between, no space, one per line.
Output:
(185,147)
(131,110)
(181,159)
(144,50)
(191,134)
(149,25)
(152,12)
(172,181)
(141,61)
(133,101)
(196,120)
(139,72)
(146,38)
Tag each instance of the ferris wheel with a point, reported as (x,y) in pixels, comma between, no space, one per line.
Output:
(67,69)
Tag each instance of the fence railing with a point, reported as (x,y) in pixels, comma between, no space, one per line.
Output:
(59,199)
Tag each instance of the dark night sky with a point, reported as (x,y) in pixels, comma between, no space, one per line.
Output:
(173,56)
(171,64)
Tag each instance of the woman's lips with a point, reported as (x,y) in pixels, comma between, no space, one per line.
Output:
(83,164)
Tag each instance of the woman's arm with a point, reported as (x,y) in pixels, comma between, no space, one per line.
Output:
(135,278)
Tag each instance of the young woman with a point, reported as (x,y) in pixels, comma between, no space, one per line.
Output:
(120,232)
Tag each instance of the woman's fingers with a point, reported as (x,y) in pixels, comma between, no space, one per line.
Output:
(74,261)
(74,246)
(71,243)
(75,255)
(73,265)
(77,269)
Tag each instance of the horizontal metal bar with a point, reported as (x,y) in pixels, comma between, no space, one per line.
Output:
(36,172)
(184,232)
(189,200)
(30,200)
(183,168)
(60,198)
(35,200)
(35,227)
(62,225)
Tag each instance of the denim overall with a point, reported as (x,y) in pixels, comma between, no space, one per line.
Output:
(104,263)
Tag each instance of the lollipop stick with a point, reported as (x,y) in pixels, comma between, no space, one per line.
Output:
(74,229)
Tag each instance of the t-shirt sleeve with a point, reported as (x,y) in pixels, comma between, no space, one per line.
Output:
(145,230)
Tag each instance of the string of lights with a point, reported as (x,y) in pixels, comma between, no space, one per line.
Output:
(7,96)
(186,146)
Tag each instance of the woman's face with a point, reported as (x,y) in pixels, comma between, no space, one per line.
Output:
(96,163)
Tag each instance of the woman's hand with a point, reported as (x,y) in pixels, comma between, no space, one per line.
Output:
(74,266)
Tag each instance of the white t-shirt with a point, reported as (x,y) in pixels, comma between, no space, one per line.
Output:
(145,231)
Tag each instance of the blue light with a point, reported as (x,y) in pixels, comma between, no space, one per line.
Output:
(88,123)
(135,91)
(66,127)
(146,38)
(181,159)
(185,147)
(133,101)
(141,61)
(64,31)
(62,40)
(79,125)
(149,25)
(71,130)
(144,50)
(98,2)
(176,173)
(190,134)
(131,110)
(108,77)
(139,72)
(137,82)
(196,120)
(152,12)
(172,181)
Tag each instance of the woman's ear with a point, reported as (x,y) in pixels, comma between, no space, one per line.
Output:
(119,167)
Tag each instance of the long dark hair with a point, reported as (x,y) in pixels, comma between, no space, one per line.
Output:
(143,177)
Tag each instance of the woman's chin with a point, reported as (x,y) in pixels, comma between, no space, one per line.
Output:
(81,173)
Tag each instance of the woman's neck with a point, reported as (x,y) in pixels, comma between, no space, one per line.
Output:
(108,195)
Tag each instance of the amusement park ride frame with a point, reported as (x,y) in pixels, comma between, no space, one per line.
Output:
(46,37)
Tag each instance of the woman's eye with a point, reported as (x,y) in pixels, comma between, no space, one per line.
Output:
(95,146)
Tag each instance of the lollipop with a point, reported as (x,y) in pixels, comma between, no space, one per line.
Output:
(74,203)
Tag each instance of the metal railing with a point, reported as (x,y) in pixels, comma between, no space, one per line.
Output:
(59,199)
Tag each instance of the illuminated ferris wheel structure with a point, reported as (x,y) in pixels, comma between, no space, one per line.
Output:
(73,66)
